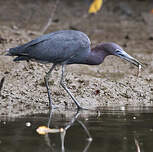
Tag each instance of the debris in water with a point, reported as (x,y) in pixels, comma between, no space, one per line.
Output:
(43,130)
(137,145)
(28,124)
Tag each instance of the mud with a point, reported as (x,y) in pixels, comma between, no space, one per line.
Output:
(113,83)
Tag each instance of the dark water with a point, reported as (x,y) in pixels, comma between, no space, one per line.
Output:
(111,130)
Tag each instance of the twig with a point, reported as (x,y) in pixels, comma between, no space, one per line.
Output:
(1,84)
(137,145)
(51,18)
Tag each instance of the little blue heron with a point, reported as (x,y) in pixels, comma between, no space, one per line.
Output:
(67,47)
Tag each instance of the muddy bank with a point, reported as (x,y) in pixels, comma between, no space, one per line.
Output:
(113,83)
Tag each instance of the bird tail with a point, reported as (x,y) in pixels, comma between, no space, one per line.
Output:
(15,52)
(7,52)
(11,52)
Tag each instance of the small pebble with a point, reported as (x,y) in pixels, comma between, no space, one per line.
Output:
(28,124)
(139,70)
(4,123)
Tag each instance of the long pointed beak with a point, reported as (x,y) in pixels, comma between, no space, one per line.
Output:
(129,58)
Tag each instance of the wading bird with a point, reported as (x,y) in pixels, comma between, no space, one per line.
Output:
(67,47)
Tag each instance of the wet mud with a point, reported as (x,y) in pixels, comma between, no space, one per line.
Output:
(113,83)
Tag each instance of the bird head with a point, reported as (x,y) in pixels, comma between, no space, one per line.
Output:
(116,50)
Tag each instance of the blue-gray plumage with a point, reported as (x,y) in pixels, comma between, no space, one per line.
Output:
(67,47)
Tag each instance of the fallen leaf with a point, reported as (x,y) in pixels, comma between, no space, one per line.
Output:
(43,130)
(95,6)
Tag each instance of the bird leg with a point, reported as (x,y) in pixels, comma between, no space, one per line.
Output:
(46,78)
(67,90)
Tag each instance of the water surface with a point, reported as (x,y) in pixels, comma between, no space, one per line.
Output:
(107,130)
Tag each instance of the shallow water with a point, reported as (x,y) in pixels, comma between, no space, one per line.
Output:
(111,130)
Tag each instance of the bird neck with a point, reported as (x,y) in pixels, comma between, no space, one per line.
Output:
(96,56)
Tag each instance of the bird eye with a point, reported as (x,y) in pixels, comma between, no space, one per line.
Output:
(117,51)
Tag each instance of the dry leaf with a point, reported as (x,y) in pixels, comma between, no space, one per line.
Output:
(42,130)
(95,6)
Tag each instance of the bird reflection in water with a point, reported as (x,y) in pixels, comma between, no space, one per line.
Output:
(46,130)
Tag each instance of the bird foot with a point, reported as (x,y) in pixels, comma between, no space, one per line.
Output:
(53,106)
(82,108)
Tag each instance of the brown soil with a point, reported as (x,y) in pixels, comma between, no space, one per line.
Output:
(113,83)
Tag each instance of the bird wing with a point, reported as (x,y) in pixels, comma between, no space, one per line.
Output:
(22,49)
(55,47)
